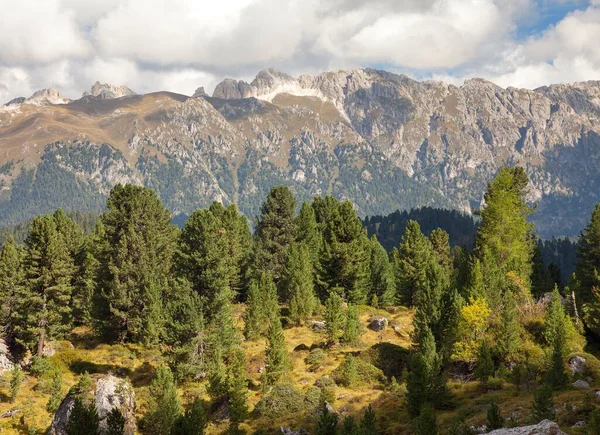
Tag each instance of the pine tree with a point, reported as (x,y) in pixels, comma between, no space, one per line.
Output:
(504,228)
(238,386)
(413,256)
(308,234)
(83,419)
(494,417)
(277,361)
(348,371)
(368,424)
(352,327)
(55,392)
(508,333)
(192,422)
(426,423)
(475,284)
(327,422)
(383,284)
(349,426)
(440,243)
(417,385)
(115,422)
(484,368)
(135,268)
(334,317)
(261,306)
(543,405)
(164,407)
(588,259)
(11,282)
(275,230)
(16,379)
(298,283)
(554,320)
(557,376)
(43,311)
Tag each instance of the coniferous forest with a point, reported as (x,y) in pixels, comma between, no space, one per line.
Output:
(305,322)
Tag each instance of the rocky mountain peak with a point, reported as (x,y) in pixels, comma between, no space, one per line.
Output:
(45,97)
(106,91)
(200,92)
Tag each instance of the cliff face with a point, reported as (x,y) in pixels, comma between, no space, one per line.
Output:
(382,140)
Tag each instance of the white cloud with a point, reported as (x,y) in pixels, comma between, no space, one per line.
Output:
(178,45)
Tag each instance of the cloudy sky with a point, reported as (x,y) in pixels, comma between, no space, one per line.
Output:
(178,45)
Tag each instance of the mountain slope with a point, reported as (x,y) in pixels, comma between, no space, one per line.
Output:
(382,140)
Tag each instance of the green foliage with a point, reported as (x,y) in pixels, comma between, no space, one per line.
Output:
(471,330)
(164,407)
(135,265)
(283,401)
(277,360)
(352,328)
(349,426)
(504,228)
(348,371)
(508,332)
(593,425)
(588,261)
(426,423)
(334,317)
(83,419)
(417,385)
(327,422)
(410,262)
(315,358)
(543,405)
(298,283)
(368,423)
(557,377)
(440,243)
(494,417)
(238,386)
(55,392)
(261,306)
(16,379)
(191,422)
(115,422)
(11,281)
(484,368)
(383,284)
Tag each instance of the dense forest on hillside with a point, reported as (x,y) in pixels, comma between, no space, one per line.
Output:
(308,322)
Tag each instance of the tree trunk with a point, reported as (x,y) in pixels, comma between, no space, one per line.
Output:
(40,350)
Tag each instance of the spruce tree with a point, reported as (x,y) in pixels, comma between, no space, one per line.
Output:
(327,422)
(494,417)
(55,392)
(115,422)
(308,234)
(508,332)
(414,255)
(164,407)
(504,228)
(557,377)
(11,282)
(352,327)
(298,282)
(543,405)
(484,368)
(43,311)
(334,317)
(426,423)
(417,385)
(588,259)
(475,284)
(261,306)
(368,424)
(383,284)
(349,426)
(16,379)
(192,422)
(440,243)
(275,230)
(277,360)
(135,268)
(83,419)
(238,386)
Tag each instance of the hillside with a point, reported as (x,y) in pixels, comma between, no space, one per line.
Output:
(383,140)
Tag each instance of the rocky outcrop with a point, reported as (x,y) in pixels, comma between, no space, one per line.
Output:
(109,393)
(105,91)
(46,97)
(577,364)
(544,427)
(6,362)
(200,92)
(378,323)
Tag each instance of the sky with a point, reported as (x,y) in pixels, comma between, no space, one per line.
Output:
(179,45)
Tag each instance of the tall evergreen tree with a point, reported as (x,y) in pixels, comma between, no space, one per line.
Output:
(164,406)
(83,419)
(135,269)
(440,243)
(308,233)
(277,360)
(238,386)
(192,422)
(11,282)
(494,417)
(43,311)
(417,384)
(368,424)
(588,257)
(426,423)
(484,368)
(115,422)
(543,405)
(475,285)
(383,284)
(334,317)
(352,327)
(327,422)
(412,258)
(261,306)
(504,228)
(508,331)
(298,281)
(275,230)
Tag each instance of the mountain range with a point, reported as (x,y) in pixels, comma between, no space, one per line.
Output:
(382,140)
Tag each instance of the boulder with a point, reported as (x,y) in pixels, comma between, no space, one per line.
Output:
(6,362)
(580,423)
(378,323)
(318,325)
(580,383)
(577,364)
(288,431)
(109,392)
(544,427)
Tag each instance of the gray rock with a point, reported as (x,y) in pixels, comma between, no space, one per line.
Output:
(580,423)
(378,323)
(200,92)
(577,364)
(109,393)
(580,383)
(287,431)
(318,325)
(9,413)
(6,362)
(544,427)
(106,92)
